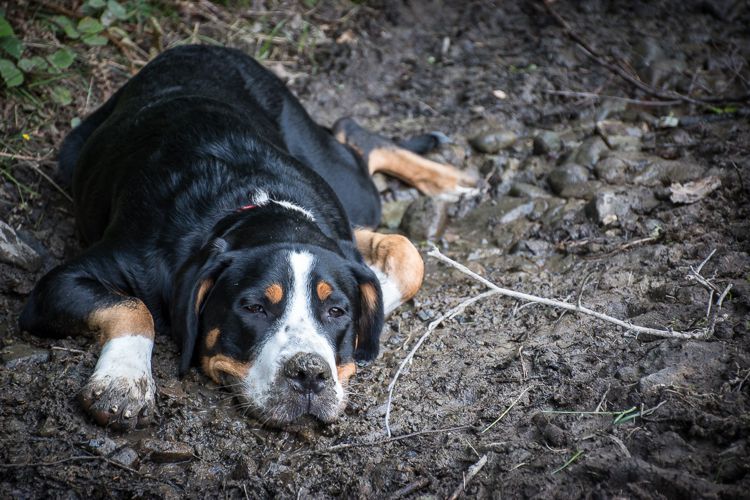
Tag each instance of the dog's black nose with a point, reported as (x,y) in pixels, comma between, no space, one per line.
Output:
(307,373)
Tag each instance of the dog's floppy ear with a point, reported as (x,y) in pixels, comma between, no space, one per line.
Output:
(192,285)
(370,321)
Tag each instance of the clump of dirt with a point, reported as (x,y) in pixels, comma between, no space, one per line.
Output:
(577,204)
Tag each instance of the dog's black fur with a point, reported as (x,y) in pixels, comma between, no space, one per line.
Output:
(158,175)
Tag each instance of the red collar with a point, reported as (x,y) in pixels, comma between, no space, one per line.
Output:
(247,207)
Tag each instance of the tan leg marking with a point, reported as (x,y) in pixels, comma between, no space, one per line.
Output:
(324,290)
(428,176)
(274,293)
(213,365)
(346,371)
(211,338)
(395,256)
(122,320)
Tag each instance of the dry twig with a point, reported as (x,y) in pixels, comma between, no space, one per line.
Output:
(699,334)
(473,471)
(430,328)
(410,488)
(619,70)
(345,446)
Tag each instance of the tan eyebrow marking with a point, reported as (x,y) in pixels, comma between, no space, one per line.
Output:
(324,290)
(212,337)
(274,293)
(203,289)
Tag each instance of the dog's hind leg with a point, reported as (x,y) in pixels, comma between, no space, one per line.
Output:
(403,162)
(71,300)
(396,263)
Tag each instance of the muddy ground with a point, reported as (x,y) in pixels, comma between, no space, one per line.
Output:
(570,209)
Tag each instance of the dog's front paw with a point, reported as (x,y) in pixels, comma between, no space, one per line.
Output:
(120,393)
(122,403)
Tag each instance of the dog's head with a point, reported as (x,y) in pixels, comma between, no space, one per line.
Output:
(282,325)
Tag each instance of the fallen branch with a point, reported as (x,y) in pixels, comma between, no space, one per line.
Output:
(698,334)
(628,100)
(410,488)
(473,471)
(625,75)
(430,328)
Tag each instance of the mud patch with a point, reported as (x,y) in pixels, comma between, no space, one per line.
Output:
(406,68)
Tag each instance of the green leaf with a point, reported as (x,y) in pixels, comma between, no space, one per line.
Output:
(61,95)
(32,64)
(94,40)
(117,10)
(5,27)
(35,63)
(90,26)
(96,4)
(12,45)
(62,58)
(67,26)
(11,75)
(75,122)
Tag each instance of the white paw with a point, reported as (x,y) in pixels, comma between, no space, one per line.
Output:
(121,392)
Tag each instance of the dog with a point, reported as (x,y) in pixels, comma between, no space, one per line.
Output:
(215,209)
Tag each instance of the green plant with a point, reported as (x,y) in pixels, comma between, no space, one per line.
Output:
(22,65)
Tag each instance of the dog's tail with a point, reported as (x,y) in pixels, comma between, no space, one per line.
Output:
(76,139)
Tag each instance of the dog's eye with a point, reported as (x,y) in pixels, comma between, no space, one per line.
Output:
(335,312)
(256,309)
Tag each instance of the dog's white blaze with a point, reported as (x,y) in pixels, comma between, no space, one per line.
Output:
(261,198)
(125,358)
(296,332)
(392,297)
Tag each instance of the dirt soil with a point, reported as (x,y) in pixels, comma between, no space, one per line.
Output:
(576,204)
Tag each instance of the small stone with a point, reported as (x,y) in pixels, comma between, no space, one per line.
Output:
(14,251)
(245,469)
(620,135)
(48,428)
(424,219)
(606,208)
(567,175)
(589,152)
(425,314)
(547,141)
(16,354)
(380,181)
(126,456)
(393,212)
(524,190)
(493,141)
(533,247)
(536,166)
(511,209)
(612,170)
(101,446)
(165,451)
(665,172)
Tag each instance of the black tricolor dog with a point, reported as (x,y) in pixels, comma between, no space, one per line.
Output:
(216,209)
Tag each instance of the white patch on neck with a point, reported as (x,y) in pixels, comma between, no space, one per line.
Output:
(296,332)
(261,198)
